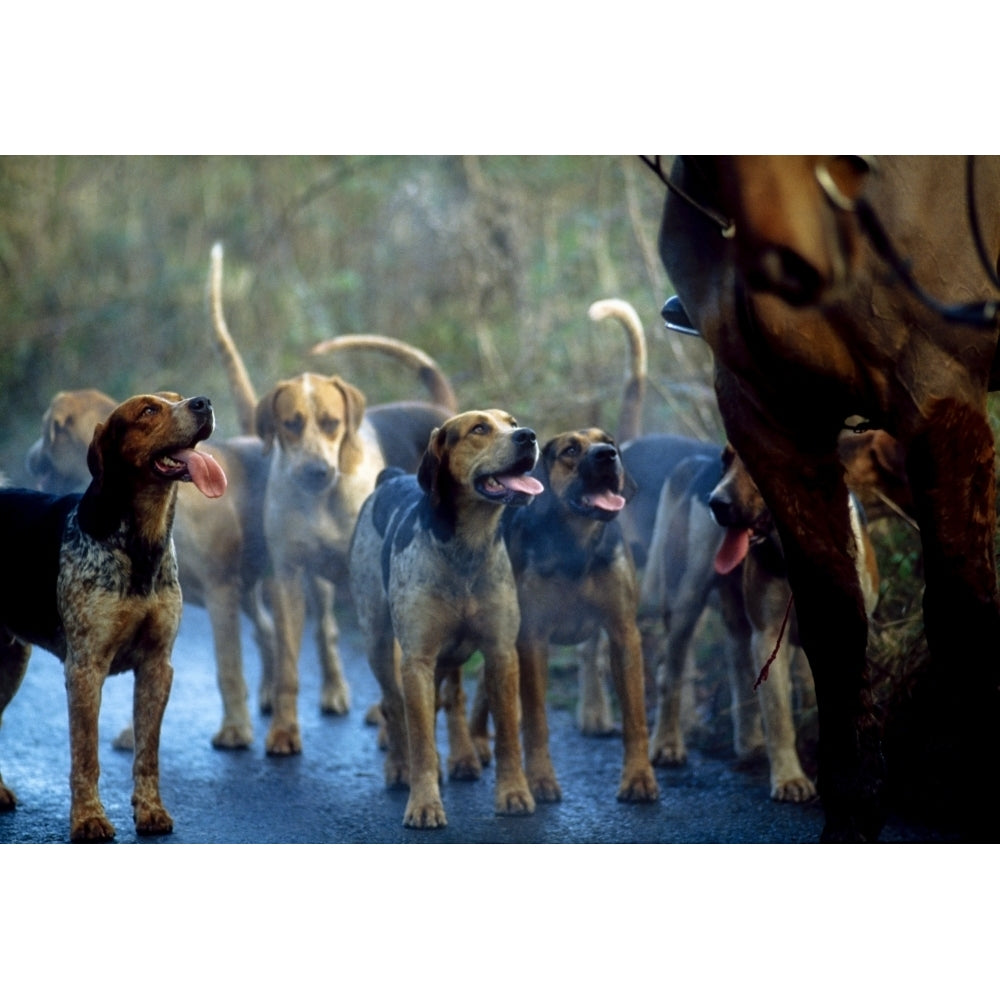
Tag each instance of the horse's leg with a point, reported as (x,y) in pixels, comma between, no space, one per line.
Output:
(951,469)
(805,492)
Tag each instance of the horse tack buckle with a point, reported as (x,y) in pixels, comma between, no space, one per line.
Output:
(866,164)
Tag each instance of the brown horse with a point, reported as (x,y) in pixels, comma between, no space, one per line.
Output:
(835,287)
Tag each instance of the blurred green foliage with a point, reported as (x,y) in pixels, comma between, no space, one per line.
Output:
(487,263)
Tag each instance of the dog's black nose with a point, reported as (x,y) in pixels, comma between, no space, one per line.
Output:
(524,436)
(721,510)
(200,404)
(604,453)
(315,476)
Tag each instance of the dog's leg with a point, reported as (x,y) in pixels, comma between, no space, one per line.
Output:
(479,722)
(14,658)
(533,658)
(261,602)
(594,715)
(335,696)
(463,757)
(153,678)
(88,822)
(512,796)
(748,732)
(788,781)
(653,637)
(424,809)
(284,737)
(667,746)
(383,654)
(638,784)
(222,601)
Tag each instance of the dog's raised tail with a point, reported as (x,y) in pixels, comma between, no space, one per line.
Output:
(630,418)
(434,380)
(239,380)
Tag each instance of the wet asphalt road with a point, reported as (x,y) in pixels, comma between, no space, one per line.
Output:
(334,793)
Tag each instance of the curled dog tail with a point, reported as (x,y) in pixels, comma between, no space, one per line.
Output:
(239,381)
(434,380)
(630,418)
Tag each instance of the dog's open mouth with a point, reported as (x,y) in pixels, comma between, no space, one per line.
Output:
(736,544)
(514,487)
(190,466)
(733,550)
(600,502)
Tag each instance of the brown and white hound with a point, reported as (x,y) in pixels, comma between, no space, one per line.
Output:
(222,554)
(714,544)
(325,447)
(432,584)
(93,579)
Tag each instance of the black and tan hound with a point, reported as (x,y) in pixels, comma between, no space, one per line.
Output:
(575,577)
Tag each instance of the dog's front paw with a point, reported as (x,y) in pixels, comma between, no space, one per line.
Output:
(596,723)
(233,737)
(152,820)
(265,700)
(125,740)
(397,771)
(798,789)
(639,786)
(514,800)
(283,741)
(8,800)
(465,768)
(91,828)
(668,755)
(425,814)
(335,699)
(483,749)
(545,788)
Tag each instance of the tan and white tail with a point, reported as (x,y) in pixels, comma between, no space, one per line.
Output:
(434,380)
(239,380)
(630,418)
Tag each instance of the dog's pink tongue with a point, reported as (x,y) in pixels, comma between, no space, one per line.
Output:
(522,484)
(205,472)
(733,550)
(607,500)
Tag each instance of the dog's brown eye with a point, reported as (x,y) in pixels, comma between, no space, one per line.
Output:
(148,411)
(295,425)
(571,450)
(480,429)
(329,425)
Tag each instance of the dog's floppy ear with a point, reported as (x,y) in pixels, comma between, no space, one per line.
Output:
(95,455)
(264,419)
(546,461)
(99,512)
(429,473)
(541,472)
(629,486)
(351,449)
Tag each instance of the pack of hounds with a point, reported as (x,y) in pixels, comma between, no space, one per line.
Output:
(454,532)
